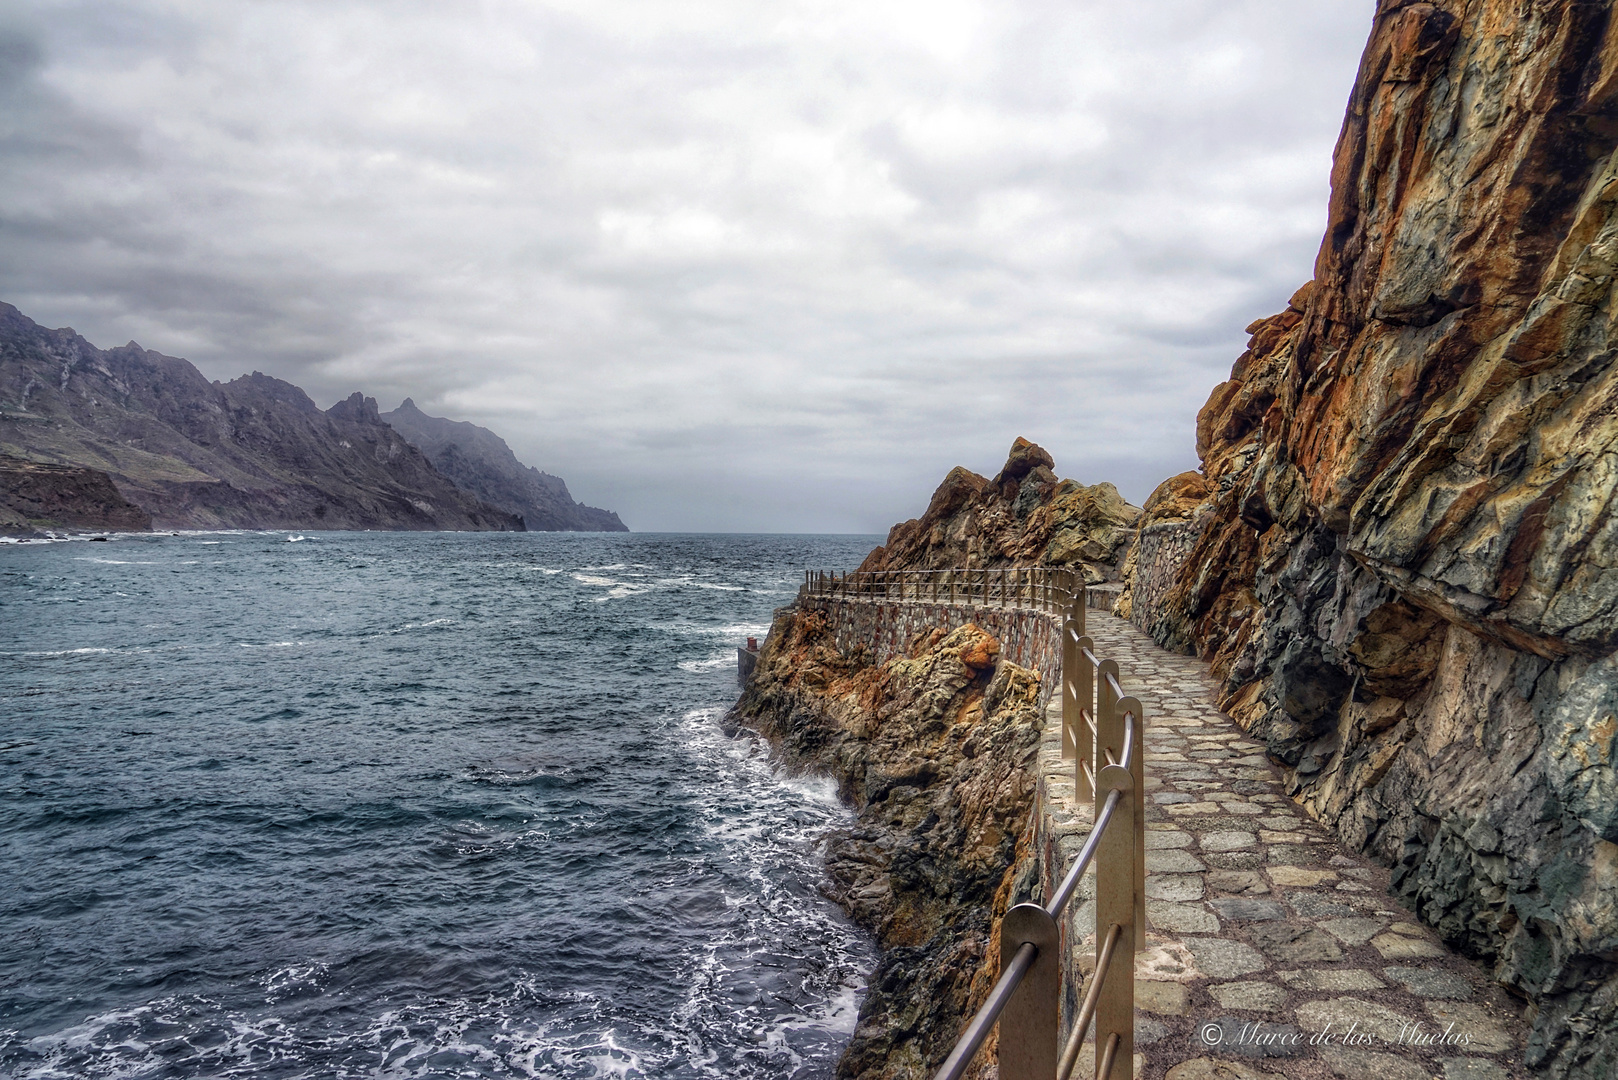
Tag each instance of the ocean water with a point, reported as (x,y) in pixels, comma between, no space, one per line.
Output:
(407,805)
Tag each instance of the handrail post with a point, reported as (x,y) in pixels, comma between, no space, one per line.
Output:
(1070,691)
(1137,768)
(1115,903)
(1085,734)
(1028,1027)
(1072,630)
(1109,723)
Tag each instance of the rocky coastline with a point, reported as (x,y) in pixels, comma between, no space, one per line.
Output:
(935,749)
(1398,553)
(36,499)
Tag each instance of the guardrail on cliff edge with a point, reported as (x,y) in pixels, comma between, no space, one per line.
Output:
(1099,723)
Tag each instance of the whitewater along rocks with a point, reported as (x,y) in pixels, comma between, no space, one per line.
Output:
(1025,516)
(1403,563)
(935,750)
(35,496)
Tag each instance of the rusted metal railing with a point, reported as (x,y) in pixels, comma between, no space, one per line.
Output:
(1103,733)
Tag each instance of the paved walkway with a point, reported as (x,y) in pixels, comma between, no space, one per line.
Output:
(1271,951)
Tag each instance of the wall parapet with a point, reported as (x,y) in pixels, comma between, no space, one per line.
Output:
(888,629)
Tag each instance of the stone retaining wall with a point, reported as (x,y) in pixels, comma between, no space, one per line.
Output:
(1030,639)
(1162,551)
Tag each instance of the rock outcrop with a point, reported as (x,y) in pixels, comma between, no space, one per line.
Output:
(251,453)
(480,463)
(935,751)
(35,497)
(1403,562)
(1025,516)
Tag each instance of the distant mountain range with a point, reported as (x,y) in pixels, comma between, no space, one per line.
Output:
(480,463)
(255,452)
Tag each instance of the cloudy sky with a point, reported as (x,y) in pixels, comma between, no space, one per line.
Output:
(740,266)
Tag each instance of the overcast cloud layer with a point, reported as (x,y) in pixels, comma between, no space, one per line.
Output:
(722,266)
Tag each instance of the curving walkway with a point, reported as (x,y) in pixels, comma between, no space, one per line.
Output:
(1272,952)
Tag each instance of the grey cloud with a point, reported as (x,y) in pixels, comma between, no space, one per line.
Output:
(750,266)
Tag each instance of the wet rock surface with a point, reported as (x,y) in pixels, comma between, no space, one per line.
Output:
(1402,562)
(935,750)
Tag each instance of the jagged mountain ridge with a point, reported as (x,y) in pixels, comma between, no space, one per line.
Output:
(255,452)
(479,462)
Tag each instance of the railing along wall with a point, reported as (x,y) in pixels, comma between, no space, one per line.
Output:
(1103,734)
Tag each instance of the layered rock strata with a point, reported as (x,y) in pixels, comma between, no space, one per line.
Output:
(1024,516)
(1404,566)
(34,496)
(935,750)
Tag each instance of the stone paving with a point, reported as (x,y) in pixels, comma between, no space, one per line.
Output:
(1271,951)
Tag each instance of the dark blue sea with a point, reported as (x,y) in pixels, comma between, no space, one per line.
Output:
(407,805)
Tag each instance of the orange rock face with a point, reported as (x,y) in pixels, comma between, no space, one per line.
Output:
(1025,516)
(1405,565)
(935,750)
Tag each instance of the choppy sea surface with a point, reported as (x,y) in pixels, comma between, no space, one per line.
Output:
(406,805)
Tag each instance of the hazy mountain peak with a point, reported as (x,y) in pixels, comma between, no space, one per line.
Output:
(480,463)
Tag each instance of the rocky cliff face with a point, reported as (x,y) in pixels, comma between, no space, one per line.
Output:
(481,464)
(935,751)
(251,453)
(1402,553)
(1025,516)
(35,496)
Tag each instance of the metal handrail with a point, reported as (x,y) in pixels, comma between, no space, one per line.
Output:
(1112,730)
(1087,1011)
(1104,1066)
(966,1047)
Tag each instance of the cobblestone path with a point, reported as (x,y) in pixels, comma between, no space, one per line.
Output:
(1271,951)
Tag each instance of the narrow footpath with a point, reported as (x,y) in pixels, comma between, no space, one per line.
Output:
(1272,952)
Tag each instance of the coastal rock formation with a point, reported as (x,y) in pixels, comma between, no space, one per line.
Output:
(480,463)
(935,751)
(34,496)
(1403,559)
(251,453)
(1025,516)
